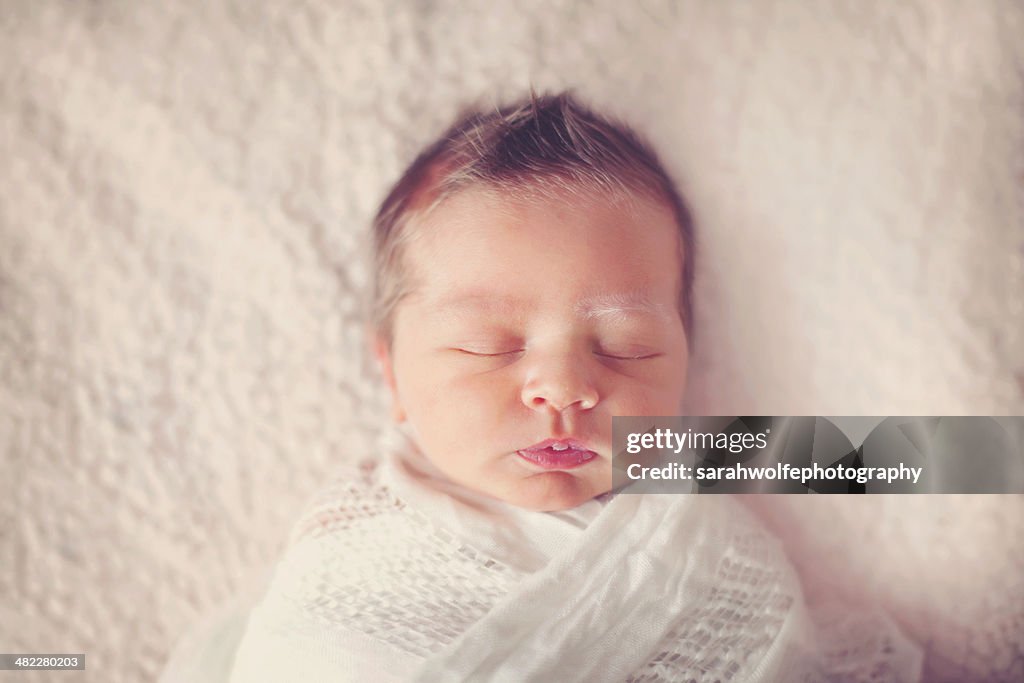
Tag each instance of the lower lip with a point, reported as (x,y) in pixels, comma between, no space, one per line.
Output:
(557,460)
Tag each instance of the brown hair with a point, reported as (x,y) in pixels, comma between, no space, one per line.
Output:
(524,147)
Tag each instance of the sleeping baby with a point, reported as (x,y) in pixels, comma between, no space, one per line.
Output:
(533,276)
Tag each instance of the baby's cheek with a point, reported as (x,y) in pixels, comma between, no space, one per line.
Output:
(432,381)
(483,390)
(663,393)
(650,399)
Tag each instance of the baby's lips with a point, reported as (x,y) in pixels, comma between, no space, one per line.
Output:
(558,445)
(545,455)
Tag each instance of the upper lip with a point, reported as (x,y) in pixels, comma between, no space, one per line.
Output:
(569,442)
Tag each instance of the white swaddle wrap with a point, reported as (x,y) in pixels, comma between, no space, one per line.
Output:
(403,575)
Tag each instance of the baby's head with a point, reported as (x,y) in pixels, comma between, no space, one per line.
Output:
(533,276)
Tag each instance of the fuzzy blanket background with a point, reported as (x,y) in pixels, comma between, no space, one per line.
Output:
(184,194)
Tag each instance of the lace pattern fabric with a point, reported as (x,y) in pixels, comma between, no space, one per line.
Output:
(367,571)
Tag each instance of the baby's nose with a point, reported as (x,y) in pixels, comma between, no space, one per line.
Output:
(558,382)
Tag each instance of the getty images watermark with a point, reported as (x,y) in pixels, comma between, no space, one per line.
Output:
(818,454)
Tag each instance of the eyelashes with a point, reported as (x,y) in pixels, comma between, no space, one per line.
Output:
(482,354)
(601,354)
(646,356)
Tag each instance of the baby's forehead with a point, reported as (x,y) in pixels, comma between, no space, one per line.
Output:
(488,255)
(611,232)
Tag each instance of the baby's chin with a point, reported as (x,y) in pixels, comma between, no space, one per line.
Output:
(552,491)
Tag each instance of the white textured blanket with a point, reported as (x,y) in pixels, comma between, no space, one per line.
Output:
(406,577)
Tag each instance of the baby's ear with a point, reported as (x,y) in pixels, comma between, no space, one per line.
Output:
(382,352)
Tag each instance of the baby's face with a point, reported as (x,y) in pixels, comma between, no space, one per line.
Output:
(529,325)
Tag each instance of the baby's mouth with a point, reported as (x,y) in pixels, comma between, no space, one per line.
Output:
(557,454)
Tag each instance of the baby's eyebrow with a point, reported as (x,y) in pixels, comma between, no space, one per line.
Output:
(613,305)
(620,304)
(476,303)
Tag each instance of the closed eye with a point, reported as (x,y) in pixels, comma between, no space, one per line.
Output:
(613,356)
(470,352)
